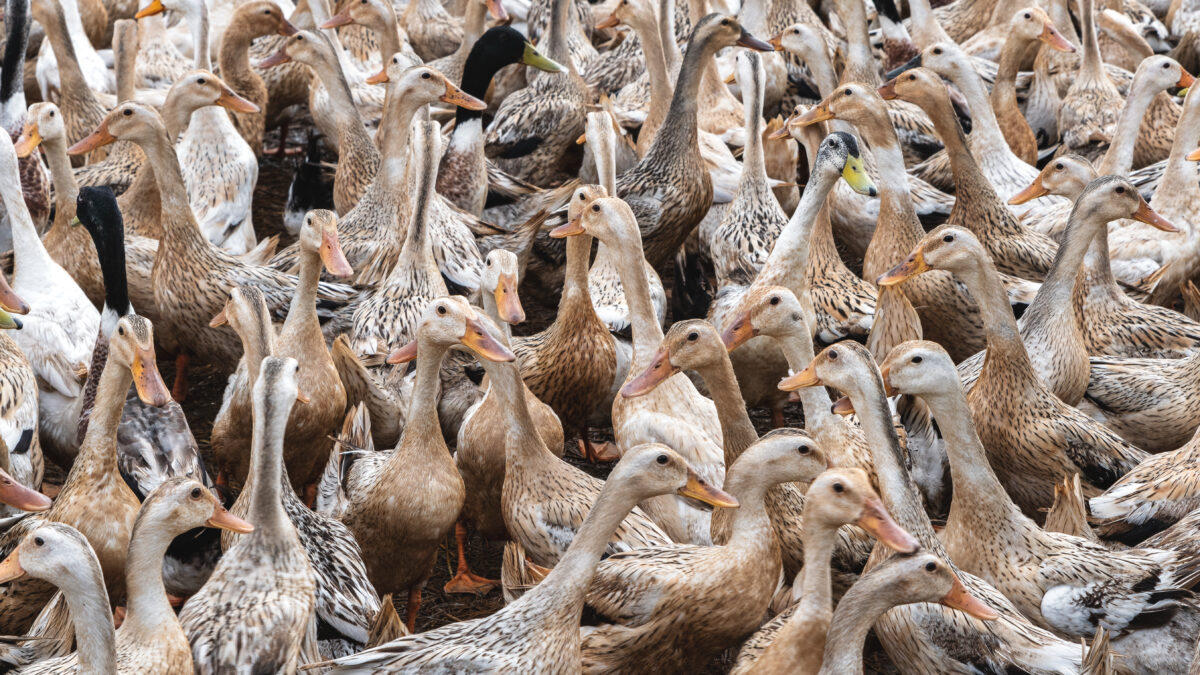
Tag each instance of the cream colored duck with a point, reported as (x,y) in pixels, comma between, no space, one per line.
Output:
(95,71)
(1064,583)
(540,631)
(379,17)
(76,96)
(930,638)
(21,454)
(1154,496)
(252,20)
(675,412)
(1092,105)
(254,614)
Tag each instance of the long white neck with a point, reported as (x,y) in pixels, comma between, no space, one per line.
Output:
(647,334)
(1118,160)
(148,610)
(87,599)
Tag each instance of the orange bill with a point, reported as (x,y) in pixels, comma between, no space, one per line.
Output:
(783,131)
(287,29)
(332,256)
(611,22)
(876,520)
(508,301)
(805,378)
(1052,37)
(155,7)
(1194,156)
(222,317)
(302,397)
(278,58)
(230,100)
(749,41)
(699,489)
(147,380)
(887,92)
(97,139)
(659,370)
(223,519)
(571,229)
(479,340)
(818,113)
(738,333)
(906,270)
(888,389)
(1149,216)
(10,569)
(776,41)
(342,18)
(960,598)
(20,497)
(1036,189)
(496,9)
(379,78)
(9,300)
(842,406)
(460,98)
(29,140)
(582,139)
(1185,79)
(403,354)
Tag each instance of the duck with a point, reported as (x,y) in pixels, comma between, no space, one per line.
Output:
(159,62)
(1092,105)
(1154,496)
(186,305)
(474,21)
(74,93)
(35,181)
(1060,440)
(379,18)
(836,498)
(275,600)
(675,405)
(541,630)
(928,637)
(433,32)
(250,21)
(1064,583)
(22,452)
(724,588)
(371,481)
(532,135)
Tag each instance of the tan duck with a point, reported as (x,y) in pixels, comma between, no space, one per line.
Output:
(794,641)
(120,167)
(682,605)
(540,631)
(95,498)
(1150,402)
(1154,496)
(1027,27)
(675,410)
(378,17)
(929,638)
(422,459)
(21,452)
(191,278)
(252,614)
(1064,583)
(433,31)
(251,20)
(1059,440)
(81,110)
(1092,105)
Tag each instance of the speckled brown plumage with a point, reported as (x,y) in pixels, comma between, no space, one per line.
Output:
(81,111)
(1155,495)
(250,21)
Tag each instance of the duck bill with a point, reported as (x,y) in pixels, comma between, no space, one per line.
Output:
(302,397)
(776,41)
(286,29)
(1185,79)
(699,489)
(147,380)
(739,333)
(659,370)
(479,340)
(332,256)
(783,131)
(805,378)
(224,520)
(342,18)
(1052,37)
(843,406)
(1036,189)
(571,229)
(278,58)
(1149,216)
(29,140)
(403,354)
(9,322)
(887,92)
(231,101)
(855,174)
(535,59)
(611,22)
(818,113)
(97,139)
(10,569)
(460,98)
(221,319)
(876,520)
(379,78)
(961,599)
(508,301)
(496,10)
(9,300)
(750,42)
(155,7)
(888,389)
(20,497)
(904,271)
(1194,156)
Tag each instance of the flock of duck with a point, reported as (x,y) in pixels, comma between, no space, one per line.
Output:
(824,196)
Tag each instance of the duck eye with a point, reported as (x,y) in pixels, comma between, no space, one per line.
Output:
(127,112)
(724,22)
(425,76)
(51,113)
(1028,15)
(693,336)
(917,359)
(774,299)
(662,459)
(796,31)
(1120,189)
(441,309)
(488,262)
(1059,166)
(912,78)
(937,50)
(195,493)
(839,488)
(1166,65)
(596,208)
(39,541)
(948,238)
(201,81)
(120,330)
(804,449)
(299,38)
(930,567)
(849,92)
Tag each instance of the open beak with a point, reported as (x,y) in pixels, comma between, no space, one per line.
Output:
(230,100)
(155,7)
(460,98)
(9,300)
(479,340)
(888,389)
(223,519)
(97,139)
(776,41)
(876,520)
(887,92)
(658,371)
(1052,37)
(286,29)
(332,256)
(818,113)
(342,18)
(739,333)
(20,497)
(1185,79)
(147,380)
(497,10)
(403,354)
(10,569)
(535,59)
(29,140)
(751,42)
(379,78)
(842,406)
(571,229)
(1149,216)
(855,173)
(278,58)
(906,270)
(508,302)
(805,378)
(611,22)
(1036,189)
(960,598)
(698,488)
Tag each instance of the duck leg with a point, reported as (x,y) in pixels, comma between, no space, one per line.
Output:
(593,452)
(179,390)
(410,612)
(464,580)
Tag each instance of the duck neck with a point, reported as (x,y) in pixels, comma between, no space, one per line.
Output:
(126,48)
(417,252)
(303,309)
(647,334)
(737,431)
(798,350)
(788,260)
(59,35)
(97,453)
(66,190)
(576,297)
(857,612)
(87,600)
(198,24)
(983,118)
(266,471)
(1091,67)
(1179,184)
(178,222)
(822,70)
(666,34)
(1004,87)
(345,115)
(976,188)
(478,70)
(523,446)
(1053,300)
(473,24)
(658,73)
(680,138)
(1118,160)
(148,611)
(557,45)
(423,423)
(234,56)
(753,184)
(860,61)
(924,26)
(1005,350)
(397,119)
(819,540)
(12,82)
(895,200)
